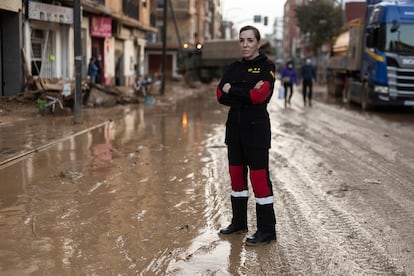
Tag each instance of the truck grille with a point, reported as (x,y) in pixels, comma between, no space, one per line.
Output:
(400,80)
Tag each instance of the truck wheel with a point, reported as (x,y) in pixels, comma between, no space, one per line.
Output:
(331,87)
(365,102)
(189,78)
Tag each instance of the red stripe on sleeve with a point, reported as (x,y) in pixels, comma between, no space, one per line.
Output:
(258,96)
(219,93)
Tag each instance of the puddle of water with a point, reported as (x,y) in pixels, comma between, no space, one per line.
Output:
(133,195)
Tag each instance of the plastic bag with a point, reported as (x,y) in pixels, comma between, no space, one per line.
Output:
(281,93)
(286,80)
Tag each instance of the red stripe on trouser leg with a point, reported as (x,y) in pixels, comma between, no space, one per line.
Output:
(259,183)
(237,178)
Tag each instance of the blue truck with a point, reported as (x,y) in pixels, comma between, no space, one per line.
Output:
(372,58)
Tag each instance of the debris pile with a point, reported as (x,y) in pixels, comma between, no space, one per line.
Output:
(53,94)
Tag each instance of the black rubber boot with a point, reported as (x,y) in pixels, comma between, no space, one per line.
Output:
(239,220)
(260,238)
(266,225)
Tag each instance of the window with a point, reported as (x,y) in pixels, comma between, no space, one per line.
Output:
(42,53)
(130,8)
(37,40)
(398,39)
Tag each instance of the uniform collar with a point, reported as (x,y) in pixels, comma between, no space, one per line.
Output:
(260,57)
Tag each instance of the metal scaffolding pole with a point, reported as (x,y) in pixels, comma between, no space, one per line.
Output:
(164,48)
(78,61)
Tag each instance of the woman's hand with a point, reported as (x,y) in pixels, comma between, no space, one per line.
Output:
(258,84)
(226,87)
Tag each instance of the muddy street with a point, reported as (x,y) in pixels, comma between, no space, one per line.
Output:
(146,194)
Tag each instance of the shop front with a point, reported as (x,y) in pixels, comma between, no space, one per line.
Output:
(101,32)
(48,33)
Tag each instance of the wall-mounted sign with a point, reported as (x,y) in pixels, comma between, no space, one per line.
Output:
(51,13)
(101,26)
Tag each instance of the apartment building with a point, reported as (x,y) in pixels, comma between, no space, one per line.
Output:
(189,23)
(125,35)
(296,45)
(113,31)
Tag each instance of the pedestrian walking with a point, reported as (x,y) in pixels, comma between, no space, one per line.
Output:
(289,79)
(308,74)
(247,87)
(92,70)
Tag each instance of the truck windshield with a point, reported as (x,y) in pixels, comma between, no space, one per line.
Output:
(401,40)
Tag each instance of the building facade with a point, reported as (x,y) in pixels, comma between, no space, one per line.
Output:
(296,45)
(11,73)
(40,37)
(189,23)
(125,36)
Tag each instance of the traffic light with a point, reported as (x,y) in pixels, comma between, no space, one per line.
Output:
(265,20)
(257,18)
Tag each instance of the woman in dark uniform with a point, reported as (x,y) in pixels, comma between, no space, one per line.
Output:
(247,87)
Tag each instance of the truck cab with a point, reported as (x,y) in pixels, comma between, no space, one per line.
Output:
(388,59)
(384,74)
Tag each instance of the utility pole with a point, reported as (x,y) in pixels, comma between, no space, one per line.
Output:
(164,48)
(78,61)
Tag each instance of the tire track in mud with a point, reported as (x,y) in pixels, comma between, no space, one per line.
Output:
(325,237)
(362,159)
(387,196)
(398,191)
(353,236)
(370,133)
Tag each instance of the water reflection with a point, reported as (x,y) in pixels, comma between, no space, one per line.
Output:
(133,195)
(184,121)
(101,144)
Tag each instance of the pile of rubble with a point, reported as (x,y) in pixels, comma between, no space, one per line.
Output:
(58,93)
(54,94)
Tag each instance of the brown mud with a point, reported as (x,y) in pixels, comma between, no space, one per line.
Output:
(145,193)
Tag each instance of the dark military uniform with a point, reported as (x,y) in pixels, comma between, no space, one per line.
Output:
(248,138)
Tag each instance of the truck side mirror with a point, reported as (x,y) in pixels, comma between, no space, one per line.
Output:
(395,26)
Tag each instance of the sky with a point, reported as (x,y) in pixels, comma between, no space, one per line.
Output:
(241,12)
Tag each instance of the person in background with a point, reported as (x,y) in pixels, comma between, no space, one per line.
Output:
(247,87)
(99,72)
(308,74)
(289,78)
(92,70)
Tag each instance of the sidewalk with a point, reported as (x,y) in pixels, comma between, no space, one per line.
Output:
(24,131)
